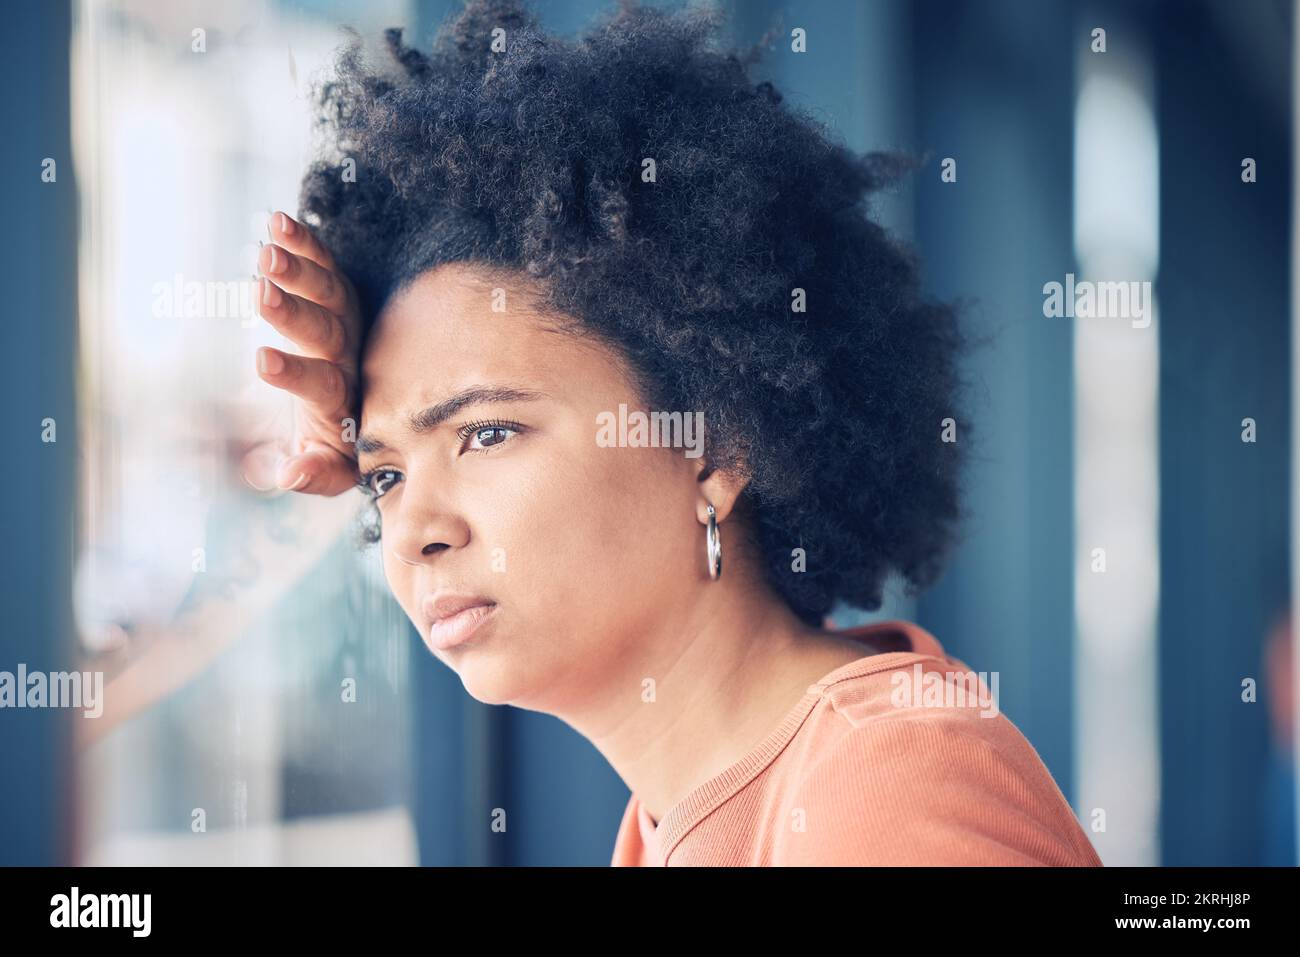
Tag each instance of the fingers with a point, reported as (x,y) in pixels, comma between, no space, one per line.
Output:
(313,380)
(315,331)
(303,277)
(298,239)
(306,299)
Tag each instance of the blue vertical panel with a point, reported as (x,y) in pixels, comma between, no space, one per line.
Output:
(440,811)
(994,85)
(565,800)
(39,342)
(1224,347)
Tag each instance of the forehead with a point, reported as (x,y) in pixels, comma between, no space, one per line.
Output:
(456,326)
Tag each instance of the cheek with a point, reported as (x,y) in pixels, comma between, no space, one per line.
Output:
(579,530)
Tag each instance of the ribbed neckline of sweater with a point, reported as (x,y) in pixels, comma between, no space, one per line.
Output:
(693,808)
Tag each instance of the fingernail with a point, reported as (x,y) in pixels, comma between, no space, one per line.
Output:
(270,363)
(270,294)
(286,224)
(275,264)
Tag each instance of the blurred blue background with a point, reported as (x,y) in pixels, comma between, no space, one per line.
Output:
(1128,682)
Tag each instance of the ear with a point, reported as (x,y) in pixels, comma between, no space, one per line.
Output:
(719,488)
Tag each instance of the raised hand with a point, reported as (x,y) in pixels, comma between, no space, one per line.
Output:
(305,297)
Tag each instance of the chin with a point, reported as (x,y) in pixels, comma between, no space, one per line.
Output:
(490,685)
(496,667)
(487,678)
(488,697)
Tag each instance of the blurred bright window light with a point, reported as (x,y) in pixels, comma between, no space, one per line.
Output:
(1117,495)
(240,618)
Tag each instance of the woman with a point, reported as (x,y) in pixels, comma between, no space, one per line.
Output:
(526,270)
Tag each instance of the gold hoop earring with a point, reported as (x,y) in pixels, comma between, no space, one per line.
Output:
(713,545)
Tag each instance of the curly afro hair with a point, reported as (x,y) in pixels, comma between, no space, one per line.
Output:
(518,150)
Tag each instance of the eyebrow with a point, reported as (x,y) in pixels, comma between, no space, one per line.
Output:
(428,419)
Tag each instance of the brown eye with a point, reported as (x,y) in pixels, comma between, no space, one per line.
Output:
(482,436)
(492,435)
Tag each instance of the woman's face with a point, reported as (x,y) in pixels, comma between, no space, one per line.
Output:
(507,496)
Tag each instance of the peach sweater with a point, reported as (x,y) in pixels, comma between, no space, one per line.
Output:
(857,775)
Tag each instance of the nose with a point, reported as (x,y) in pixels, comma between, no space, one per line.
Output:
(422,526)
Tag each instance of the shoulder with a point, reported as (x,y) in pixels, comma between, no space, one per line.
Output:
(924,786)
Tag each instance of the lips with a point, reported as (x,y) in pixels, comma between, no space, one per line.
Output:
(445,604)
(455,618)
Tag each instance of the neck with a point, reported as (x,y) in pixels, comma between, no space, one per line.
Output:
(726,669)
